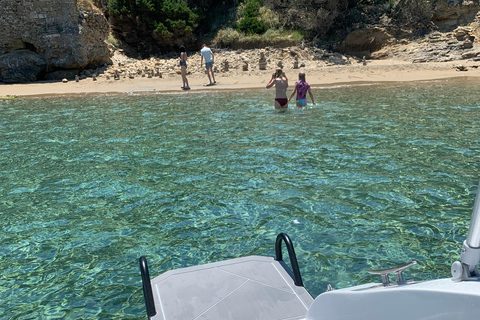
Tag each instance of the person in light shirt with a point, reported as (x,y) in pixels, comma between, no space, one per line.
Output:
(207,53)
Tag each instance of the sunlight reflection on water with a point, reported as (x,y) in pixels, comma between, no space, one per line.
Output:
(370,177)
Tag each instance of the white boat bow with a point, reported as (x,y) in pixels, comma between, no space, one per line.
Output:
(265,288)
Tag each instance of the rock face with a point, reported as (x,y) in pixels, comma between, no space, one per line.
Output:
(21,66)
(448,14)
(51,36)
(458,25)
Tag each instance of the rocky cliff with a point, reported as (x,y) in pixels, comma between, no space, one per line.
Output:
(55,39)
(448,14)
(451,35)
(50,39)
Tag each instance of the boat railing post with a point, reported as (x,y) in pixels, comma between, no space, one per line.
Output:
(473,238)
(291,253)
(467,267)
(147,287)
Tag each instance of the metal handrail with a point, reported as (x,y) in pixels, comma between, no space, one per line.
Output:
(147,287)
(291,253)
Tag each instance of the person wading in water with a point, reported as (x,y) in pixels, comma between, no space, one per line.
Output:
(279,79)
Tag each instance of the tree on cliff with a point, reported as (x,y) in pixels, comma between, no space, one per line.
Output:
(153,25)
(313,16)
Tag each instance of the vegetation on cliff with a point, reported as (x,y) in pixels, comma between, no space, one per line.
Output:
(153,23)
(162,25)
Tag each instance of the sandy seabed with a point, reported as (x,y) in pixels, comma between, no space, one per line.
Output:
(378,71)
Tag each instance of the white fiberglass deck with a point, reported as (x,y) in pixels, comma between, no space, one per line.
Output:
(253,287)
(441,299)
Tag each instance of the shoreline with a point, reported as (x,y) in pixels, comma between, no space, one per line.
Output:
(376,71)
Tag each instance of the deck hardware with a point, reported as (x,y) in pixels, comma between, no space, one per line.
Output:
(397,271)
(467,267)
(291,253)
(147,287)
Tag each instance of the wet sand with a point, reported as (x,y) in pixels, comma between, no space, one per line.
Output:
(374,72)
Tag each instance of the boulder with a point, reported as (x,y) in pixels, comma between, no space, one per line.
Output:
(365,41)
(470,54)
(467,44)
(66,34)
(21,66)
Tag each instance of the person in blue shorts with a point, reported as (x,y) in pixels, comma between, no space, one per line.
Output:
(207,53)
(301,88)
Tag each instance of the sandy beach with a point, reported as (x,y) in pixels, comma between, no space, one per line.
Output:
(373,72)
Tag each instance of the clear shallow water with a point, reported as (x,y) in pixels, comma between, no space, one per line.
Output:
(371,177)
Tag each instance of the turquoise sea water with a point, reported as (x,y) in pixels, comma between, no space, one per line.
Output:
(373,176)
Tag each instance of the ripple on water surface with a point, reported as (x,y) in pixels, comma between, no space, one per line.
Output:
(370,177)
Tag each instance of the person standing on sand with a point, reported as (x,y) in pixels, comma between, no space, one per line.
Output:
(183,66)
(301,88)
(279,79)
(209,60)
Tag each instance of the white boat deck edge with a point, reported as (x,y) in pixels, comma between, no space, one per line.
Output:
(247,288)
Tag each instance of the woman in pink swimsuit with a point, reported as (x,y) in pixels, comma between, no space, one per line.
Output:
(279,79)
(301,88)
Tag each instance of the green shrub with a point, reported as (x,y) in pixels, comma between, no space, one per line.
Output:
(251,9)
(168,22)
(271,18)
(314,17)
(272,34)
(226,37)
(252,25)
(162,30)
(229,37)
(250,21)
(271,37)
(295,35)
(112,41)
